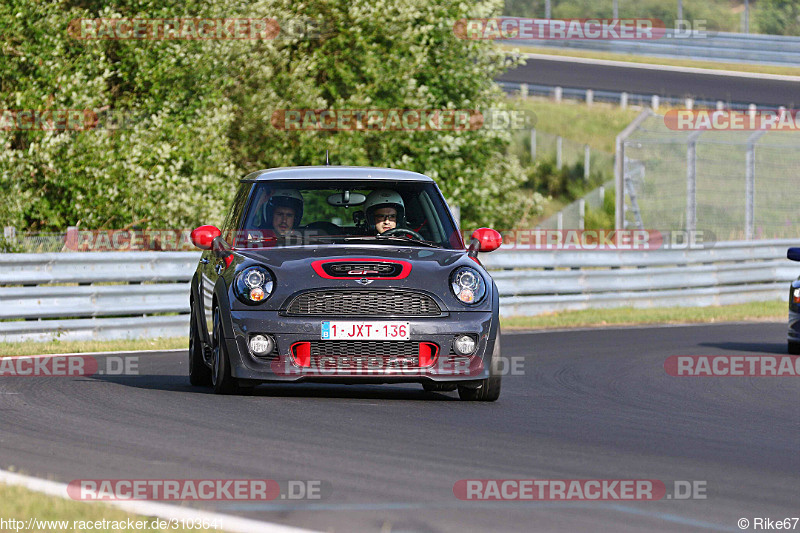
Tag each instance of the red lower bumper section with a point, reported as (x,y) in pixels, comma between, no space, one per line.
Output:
(330,359)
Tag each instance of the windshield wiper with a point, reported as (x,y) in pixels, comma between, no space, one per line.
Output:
(373,238)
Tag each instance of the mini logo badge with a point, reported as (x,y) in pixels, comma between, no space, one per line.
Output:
(364,281)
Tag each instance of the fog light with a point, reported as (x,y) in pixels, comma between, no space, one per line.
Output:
(261,344)
(464,345)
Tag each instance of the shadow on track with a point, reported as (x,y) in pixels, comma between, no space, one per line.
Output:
(179,383)
(751,347)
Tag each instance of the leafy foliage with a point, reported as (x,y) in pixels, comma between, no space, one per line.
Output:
(203,108)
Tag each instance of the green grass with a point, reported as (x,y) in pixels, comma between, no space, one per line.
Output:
(19,503)
(597,125)
(756,311)
(714,65)
(39,348)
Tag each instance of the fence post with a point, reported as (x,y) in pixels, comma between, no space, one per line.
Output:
(691,181)
(10,233)
(533,144)
(750,184)
(523,90)
(689,102)
(589,96)
(587,153)
(619,168)
(623,100)
(751,110)
(654,102)
(557,93)
(720,105)
(581,213)
(559,160)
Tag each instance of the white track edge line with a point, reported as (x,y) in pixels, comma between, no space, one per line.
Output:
(229,523)
(669,68)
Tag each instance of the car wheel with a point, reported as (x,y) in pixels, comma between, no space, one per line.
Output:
(489,388)
(439,387)
(794,348)
(199,373)
(221,379)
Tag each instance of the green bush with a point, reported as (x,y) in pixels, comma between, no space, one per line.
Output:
(205,108)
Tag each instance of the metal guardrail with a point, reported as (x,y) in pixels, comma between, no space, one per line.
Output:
(112,295)
(95,295)
(728,47)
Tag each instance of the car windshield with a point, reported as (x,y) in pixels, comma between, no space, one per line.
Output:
(295,213)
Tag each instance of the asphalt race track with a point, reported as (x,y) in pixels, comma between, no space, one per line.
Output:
(761,91)
(593,404)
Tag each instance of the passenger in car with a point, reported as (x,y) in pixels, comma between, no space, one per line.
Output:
(384,210)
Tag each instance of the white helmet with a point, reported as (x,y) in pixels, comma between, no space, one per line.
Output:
(384,198)
(285,198)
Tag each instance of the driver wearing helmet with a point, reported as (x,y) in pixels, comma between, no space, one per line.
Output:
(283,211)
(384,210)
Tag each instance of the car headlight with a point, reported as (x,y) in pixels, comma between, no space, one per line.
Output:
(468,285)
(253,285)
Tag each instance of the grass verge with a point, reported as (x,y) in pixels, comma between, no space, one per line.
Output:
(21,504)
(623,316)
(648,60)
(39,348)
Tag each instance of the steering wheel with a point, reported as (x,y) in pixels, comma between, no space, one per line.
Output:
(407,231)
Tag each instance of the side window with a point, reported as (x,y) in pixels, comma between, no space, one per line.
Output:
(235,214)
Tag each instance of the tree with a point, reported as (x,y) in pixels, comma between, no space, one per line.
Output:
(202,109)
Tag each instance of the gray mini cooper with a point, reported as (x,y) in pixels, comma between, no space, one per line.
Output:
(348,275)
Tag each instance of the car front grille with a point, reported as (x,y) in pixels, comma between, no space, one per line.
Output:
(367,348)
(364,355)
(374,303)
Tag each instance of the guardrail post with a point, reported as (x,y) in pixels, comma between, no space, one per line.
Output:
(654,102)
(558,93)
(559,144)
(750,184)
(589,96)
(623,100)
(691,181)
(689,103)
(523,90)
(751,110)
(587,156)
(533,144)
(720,105)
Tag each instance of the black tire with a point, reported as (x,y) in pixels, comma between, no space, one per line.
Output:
(429,386)
(199,373)
(221,379)
(794,348)
(489,389)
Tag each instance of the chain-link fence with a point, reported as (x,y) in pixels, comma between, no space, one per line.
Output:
(734,184)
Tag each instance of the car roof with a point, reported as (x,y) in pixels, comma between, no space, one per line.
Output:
(335,173)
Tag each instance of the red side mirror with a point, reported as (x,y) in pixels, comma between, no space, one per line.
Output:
(488,238)
(203,236)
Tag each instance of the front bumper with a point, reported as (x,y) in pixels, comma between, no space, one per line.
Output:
(368,368)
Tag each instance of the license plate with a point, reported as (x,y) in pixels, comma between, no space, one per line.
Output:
(368,331)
